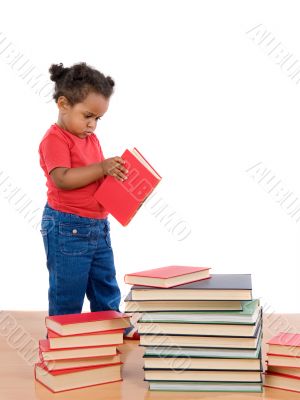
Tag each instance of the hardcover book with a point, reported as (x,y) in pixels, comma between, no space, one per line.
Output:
(166,277)
(68,379)
(205,386)
(249,315)
(73,324)
(198,328)
(111,338)
(218,287)
(122,199)
(48,354)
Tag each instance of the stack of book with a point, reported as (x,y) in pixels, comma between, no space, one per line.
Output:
(283,362)
(199,336)
(81,350)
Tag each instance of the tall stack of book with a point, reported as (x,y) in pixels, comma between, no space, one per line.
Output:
(199,336)
(283,362)
(81,350)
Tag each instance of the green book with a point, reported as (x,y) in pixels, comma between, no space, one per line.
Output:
(248,315)
(205,386)
(202,352)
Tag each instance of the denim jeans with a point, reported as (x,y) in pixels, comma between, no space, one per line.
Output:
(80,262)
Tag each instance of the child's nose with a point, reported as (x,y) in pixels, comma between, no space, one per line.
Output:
(91,125)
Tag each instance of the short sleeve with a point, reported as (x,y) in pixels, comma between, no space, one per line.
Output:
(55,153)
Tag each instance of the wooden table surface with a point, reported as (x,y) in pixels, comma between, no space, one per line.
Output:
(21,330)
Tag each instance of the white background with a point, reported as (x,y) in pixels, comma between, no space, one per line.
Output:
(200,99)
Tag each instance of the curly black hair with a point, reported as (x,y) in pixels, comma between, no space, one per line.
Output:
(77,81)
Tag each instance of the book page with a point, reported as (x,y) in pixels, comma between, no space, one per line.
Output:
(144,162)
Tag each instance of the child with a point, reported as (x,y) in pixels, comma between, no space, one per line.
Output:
(74,227)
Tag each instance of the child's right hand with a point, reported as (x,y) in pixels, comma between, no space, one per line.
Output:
(114,166)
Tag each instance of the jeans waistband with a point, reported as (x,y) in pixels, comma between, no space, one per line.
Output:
(68,217)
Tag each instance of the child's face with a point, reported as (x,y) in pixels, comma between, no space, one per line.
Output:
(81,119)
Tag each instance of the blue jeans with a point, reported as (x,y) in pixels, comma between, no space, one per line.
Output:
(80,261)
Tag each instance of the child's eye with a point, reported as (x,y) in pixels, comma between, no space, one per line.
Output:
(90,116)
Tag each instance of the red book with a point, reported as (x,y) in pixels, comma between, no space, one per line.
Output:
(167,277)
(286,344)
(281,381)
(123,199)
(80,362)
(287,371)
(68,379)
(106,338)
(48,354)
(73,324)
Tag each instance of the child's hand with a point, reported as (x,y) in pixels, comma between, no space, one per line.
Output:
(115,167)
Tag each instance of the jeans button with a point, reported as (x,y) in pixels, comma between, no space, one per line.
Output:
(74,231)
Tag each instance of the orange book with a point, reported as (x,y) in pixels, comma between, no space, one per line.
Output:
(123,199)
(167,277)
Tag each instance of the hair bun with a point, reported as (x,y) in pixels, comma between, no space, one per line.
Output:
(57,71)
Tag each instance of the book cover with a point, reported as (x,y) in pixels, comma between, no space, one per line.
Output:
(202,375)
(283,382)
(202,352)
(188,341)
(218,287)
(180,305)
(71,324)
(77,363)
(249,314)
(201,329)
(205,386)
(46,353)
(111,338)
(202,363)
(168,276)
(122,199)
(69,379)
(216,281)
(285,339)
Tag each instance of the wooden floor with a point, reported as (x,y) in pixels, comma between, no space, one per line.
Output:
(17,360)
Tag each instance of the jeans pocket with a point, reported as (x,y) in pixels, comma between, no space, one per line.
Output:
(44,233)
(107,234)
(74,238)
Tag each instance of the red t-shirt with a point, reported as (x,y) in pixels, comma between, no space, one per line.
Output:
(60,148)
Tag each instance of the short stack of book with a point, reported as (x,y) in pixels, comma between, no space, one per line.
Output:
(283,362)
(81,350)
(199,336)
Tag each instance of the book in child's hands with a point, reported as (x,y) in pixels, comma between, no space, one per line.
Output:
(74,324)
(122,199)
(167,277)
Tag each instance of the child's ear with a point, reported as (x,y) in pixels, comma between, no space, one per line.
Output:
(63,104)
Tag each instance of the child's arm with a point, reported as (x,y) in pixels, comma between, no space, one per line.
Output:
(75,178)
